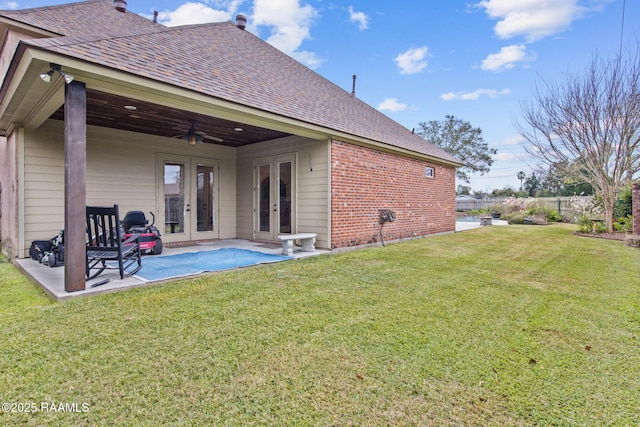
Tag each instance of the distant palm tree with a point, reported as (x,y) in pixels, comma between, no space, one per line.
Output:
(521,177)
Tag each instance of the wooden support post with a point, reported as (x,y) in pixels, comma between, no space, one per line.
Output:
(75,167)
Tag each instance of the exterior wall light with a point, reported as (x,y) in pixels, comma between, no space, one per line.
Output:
(46,77)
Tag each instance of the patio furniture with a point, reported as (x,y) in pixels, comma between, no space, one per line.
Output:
(105,246)
(307,241)
(485,220)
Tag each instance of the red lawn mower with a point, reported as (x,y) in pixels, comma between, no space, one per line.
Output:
(135,222)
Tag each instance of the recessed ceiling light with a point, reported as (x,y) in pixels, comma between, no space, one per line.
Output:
(130,107)
(238,129)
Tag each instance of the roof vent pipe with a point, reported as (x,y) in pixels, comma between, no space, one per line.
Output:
(155,17)
(241,21)
(121,5)
(353,91)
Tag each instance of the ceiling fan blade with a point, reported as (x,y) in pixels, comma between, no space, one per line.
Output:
(212,138)
(192,131)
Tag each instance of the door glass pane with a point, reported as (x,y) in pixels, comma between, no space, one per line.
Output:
(264,198)
(284,191)
(174,198)
(204,194)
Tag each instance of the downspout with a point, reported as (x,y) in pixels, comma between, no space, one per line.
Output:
(329,188)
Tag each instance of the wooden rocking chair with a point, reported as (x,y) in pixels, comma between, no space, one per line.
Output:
(105,246)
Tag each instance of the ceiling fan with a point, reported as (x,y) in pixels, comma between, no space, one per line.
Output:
(194,136)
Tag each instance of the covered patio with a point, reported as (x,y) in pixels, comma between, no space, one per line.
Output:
(167,120)
(51,279)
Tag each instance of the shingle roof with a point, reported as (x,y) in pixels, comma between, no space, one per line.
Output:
(225,62)
(85,17)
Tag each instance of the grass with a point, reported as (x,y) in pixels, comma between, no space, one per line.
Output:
(516,326)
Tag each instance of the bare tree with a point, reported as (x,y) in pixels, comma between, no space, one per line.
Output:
(590,120)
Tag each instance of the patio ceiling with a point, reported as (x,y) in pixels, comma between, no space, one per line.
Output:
(113,111)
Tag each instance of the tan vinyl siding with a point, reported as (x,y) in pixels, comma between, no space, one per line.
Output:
(121,168)
(313,193)
(43,186)
(312,208)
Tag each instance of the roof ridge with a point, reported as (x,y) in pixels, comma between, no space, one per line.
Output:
(77,39)
(203,58)
(99,36)
(49,7)
(203,24)
(88,16)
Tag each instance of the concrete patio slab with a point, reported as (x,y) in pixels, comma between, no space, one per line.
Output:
(470,225)
(52,279)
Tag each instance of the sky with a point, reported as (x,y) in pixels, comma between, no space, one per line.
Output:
(417,61)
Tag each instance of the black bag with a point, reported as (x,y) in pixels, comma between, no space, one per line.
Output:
(59,252)
(38,248)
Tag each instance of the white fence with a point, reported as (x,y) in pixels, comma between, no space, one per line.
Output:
(561,204)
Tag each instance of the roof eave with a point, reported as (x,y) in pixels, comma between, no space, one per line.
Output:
(36,31)
(110,80)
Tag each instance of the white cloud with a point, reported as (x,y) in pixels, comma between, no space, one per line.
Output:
(535,19)
(412,61)
(513,140)
(195,13)
(392,104)
(506,59)
(309,59)
(473,96)
(506,156)
(359,17)
(290,24)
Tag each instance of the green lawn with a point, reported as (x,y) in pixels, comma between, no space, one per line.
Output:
(500,326)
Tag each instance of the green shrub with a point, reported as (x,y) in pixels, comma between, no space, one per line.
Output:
(543,214)
(601,228)
(484,211)
(497,208)
(516,210)
(623,224)
(514,217)
(624,204)
(554,216)
(584,223)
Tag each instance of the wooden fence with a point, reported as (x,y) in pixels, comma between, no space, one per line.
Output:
(561,204)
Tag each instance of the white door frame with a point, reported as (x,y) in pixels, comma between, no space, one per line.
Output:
(281,193)
(185,227)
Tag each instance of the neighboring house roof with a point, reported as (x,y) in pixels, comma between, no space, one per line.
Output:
(219,60)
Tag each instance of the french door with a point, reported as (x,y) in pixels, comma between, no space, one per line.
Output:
(274,197)
(188,195)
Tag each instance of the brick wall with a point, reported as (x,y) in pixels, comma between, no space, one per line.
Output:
(365,180)
(636,207)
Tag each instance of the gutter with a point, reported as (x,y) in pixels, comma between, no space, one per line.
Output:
(221,108)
